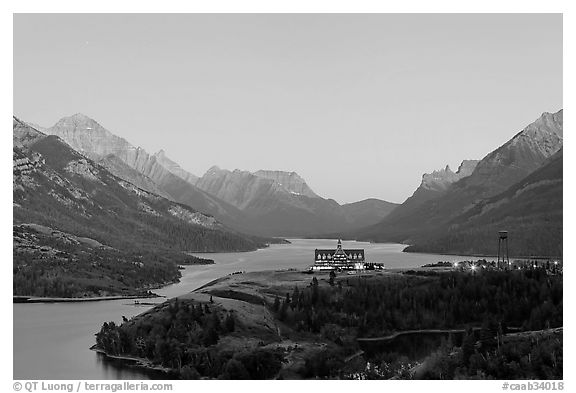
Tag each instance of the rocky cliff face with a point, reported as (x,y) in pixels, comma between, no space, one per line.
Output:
(57,186)
(263,203)
(435,184)
(531,211)
(520,156)
(79,231)
(517,158)
(88,137)
(440,180)
(466,168)
(281,203)
(23,134)
(291,181)
(426,215)
(245,190)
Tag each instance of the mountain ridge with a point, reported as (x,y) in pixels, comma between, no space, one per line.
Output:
(530,210)
(90,138)
(79,230)
(282,203)
(500,169)
(262,203)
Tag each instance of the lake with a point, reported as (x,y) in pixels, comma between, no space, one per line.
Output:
(52,340)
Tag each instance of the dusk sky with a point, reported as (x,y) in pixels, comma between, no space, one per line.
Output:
(360,105)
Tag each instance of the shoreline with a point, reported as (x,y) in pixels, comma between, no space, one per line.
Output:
(537,257)
(37,299)
(142,363)
(406,246)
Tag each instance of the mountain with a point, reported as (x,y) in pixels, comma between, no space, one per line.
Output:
(68,208)
(432,187)
(435,184)
(290,181)
(273,208)
(368,211)
(239,188)
(263,203)
(440,180)
(175,168)
(528,150)
(520,156)
(89,138)
(23,134)
(531,211)
(122,170)
(282,204)
(68,190)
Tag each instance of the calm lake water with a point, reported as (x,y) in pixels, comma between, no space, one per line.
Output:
(52,340)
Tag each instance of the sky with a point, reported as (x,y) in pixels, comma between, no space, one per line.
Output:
(360,105)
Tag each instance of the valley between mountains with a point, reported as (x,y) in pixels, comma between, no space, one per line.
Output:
(96,216)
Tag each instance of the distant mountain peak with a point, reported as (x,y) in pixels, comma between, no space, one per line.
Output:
(522,154)
(547,122)
(80,115)
(213,169)
(240,187)
(80,118)
(462,217)
(439,180)
(291,181)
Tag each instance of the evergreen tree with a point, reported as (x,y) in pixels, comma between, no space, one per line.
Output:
(276,305)
(229,323)
(295,298)
(211,336)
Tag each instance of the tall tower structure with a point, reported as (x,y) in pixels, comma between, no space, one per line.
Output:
(503,250)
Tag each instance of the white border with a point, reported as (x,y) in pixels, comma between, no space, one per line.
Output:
(300,6)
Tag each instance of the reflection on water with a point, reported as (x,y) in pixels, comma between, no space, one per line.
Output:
(52,341)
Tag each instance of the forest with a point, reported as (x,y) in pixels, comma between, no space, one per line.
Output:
(365,306)
(98,273)
(183,335)
(60,266)
(496,356)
